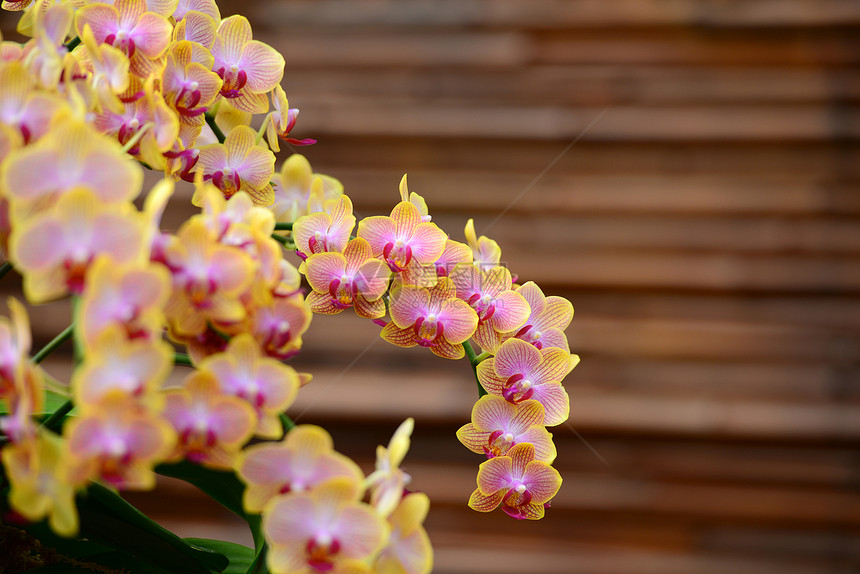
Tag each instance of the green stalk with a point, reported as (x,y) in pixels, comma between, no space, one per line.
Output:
(284,226)
(210,119)
(285,241)
(182,359)
(7,267)
(474,359)
(64,336)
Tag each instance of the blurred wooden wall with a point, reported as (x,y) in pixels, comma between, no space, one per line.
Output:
(686,173)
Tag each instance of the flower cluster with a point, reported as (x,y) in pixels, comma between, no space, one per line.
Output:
(104,89)
(439,294)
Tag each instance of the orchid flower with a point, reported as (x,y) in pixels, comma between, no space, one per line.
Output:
(455,253)
(207,279)
(403,237)
(140,34)
(265,383)
(188,87)
(408,550)
(118,442)
(282,121)
(499,308)
(351,279)
(325,231)
(279,325)
(21,107)
(110,76)
(250,69)
(129,296)
(208,7)
(323,530)
(432,318)
(294,185)
(38,483)
(518,482)
(304,460)
(388,481)
(211,426)
(75,155)
(415,200)
(54,249)
(547,320)
(239,165)
(498,425)
(520,372)
(486,252)
(15,341)
(114,364)
(200,28)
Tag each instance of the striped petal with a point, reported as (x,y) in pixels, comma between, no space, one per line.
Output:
(484,503)
(517,357)
(495,474)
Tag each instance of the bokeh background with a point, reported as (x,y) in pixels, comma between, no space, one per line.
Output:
(686,172)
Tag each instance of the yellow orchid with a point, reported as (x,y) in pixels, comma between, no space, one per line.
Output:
(294,185)
(408,550)
(387,482)
(239,164)
(39,485)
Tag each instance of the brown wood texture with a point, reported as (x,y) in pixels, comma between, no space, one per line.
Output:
(686,172)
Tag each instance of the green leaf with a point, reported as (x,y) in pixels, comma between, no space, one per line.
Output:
(223,486)
(53,401)
(107,518)
(240,557)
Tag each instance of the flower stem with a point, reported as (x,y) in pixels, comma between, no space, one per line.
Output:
(182,359)
(284,226)
(210,119)
(55,342)
(73,43)
(7,267)
(285,241)
(286,422)
(474,359)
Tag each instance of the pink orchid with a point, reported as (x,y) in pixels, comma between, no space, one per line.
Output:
(325,231)
(279,325)
(518,482)
(520,372)
(304,460)
(21,107)
(350,279)
(130,296)
(489,293)
(497,425)
(250,69)
(403,237)
(207,279)
(548,319)
(75,155)
(455,253)
(118,442)
(265,383)
(320,530)
(128,25)
(80,227)
(432,318)
(239,164)
(114,364)
(211,426)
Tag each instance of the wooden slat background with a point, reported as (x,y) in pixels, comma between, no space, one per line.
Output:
(705,224)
